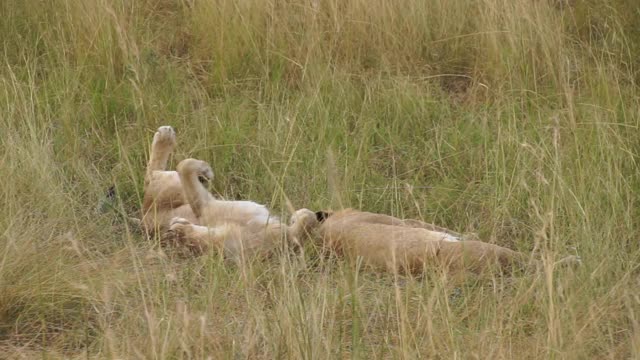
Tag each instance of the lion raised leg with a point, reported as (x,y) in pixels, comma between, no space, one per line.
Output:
(163,192)
(164,142)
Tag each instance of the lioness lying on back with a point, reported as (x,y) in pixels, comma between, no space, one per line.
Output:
(393,244)
(238,227)
(163,192)
(178,201)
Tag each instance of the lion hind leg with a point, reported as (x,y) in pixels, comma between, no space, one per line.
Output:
(164,141)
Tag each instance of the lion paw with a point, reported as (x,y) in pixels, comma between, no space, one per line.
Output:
(165,136)
(179,226)
(178,221)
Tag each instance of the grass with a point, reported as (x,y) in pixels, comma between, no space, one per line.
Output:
(517,120)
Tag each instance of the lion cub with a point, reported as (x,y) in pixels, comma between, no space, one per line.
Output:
(178,202)
(408,246)
(238,227)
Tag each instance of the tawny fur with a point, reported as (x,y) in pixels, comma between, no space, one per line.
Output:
(392,244)
(178,201)
(163,193)
(238,227)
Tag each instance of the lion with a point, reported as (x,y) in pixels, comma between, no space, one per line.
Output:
(178,203)
(163,197)
(391,244)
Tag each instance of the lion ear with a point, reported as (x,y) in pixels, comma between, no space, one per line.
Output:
(322,215)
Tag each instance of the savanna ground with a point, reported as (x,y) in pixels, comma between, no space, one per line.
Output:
(514,119)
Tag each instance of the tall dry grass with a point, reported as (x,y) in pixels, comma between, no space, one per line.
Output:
(517,120)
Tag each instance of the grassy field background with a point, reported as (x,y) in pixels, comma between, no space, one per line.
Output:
(514,119)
